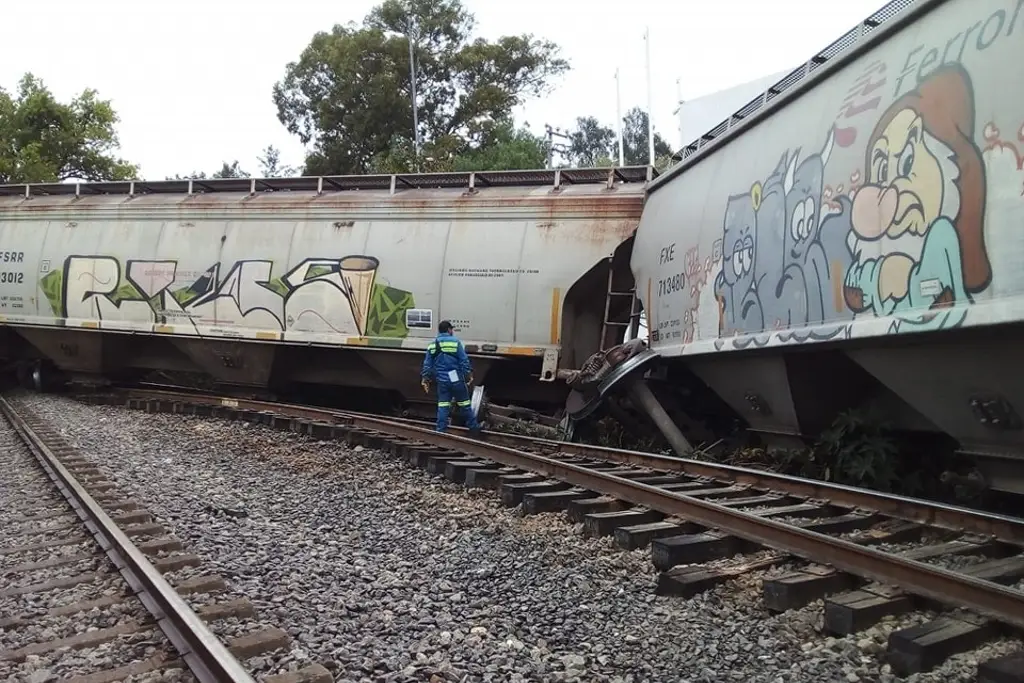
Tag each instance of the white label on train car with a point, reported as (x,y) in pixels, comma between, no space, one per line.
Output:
(229,402)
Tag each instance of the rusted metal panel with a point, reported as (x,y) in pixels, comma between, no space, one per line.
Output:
(624,201)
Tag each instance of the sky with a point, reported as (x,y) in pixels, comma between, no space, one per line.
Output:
(192,79)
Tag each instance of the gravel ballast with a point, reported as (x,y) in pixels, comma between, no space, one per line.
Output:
(383,573)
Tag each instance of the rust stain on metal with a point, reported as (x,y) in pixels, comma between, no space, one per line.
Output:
(591,201)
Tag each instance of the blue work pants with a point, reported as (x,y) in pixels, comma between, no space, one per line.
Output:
(456,393)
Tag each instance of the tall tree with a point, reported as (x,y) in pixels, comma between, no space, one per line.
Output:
(226,170)
(502,148)
(634,139)
(44,140)
(506,148)
(590,143)
(232,170)
(349,93)
(270,164)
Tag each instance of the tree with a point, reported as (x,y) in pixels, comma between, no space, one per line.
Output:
(503,148)
(506,149)
(349,94)
(43,140)
(634,139)
(591,144)
(194,175)
(232,170)
(270,164)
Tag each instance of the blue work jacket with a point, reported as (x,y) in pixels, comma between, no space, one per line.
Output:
(446,355)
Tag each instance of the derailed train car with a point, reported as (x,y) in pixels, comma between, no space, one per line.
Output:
(337,283)
(855,237)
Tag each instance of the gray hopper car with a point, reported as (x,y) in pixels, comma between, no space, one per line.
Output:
(855,236)
(336,282)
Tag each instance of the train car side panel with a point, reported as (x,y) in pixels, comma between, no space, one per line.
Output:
(481,268)
(885,200)
(21,249)
(407,288)
(552,252)
(192,275)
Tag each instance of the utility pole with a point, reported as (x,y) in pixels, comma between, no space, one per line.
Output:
(618,118)
(679,114)
(650,107)
(553,147)
(412,78)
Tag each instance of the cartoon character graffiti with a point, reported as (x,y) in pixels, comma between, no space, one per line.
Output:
(784,253)
(917,222)
(737,283)
(319,295)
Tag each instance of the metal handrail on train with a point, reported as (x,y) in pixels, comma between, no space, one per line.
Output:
(884,21)
(470,181)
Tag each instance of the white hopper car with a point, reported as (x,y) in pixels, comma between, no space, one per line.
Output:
(336,282)
(855,237)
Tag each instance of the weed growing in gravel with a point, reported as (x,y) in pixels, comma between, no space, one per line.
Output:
(858,449)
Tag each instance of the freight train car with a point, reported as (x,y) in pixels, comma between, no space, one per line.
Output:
(855,237)
(336,282)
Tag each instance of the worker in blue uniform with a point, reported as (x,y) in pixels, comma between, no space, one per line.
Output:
(447,364)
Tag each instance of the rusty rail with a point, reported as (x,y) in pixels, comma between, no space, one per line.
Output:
(984,597)
(205,656)
(930,513)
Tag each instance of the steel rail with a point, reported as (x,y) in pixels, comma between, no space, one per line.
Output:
(205,656)
(931,513)
(984,597)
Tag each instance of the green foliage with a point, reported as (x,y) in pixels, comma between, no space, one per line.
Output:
(858,450)
(594,144)
(226,170)
(591,144)
(232,170)
(505,148)
(609,432)
(348,95)
(43,140)
(634,137)
(270,164)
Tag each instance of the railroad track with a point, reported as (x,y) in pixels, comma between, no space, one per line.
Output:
(867,555)
(93,591)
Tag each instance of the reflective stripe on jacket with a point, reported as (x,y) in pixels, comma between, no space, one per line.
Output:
(443,355)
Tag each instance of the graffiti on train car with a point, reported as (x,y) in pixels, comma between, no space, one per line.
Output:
(904,241)
(319,295)
(918,220)
(783,250)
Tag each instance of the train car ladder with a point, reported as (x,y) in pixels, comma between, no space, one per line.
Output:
(633,323)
